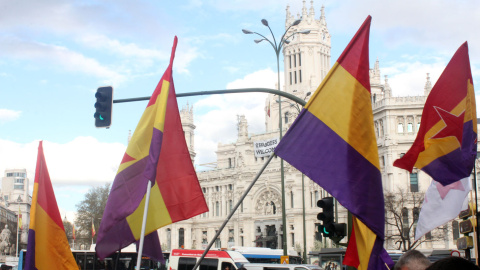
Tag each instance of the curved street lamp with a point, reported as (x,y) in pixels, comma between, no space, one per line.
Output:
(277,47)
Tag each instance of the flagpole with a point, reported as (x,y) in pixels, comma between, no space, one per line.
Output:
(232,212)
(144,222)
(475,233)
(18,229)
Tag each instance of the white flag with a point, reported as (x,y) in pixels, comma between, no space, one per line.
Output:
(442,204)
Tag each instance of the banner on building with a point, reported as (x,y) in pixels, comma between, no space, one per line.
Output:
(265,148)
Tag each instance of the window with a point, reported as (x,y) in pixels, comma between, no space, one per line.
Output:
(290,62)
(400,128)
(230,187)
(286,117)
(299,59)
(169,239)
(410,127)
(428,236)
(292,236)
(416,213)
(217,188)
(413,182)
(209,264)
(217,209)
(186,263)
(300,75)
(294,60)
(295,73)
(229,162)
(218,243)
(230,205)
(181,237)
(405,224)
(418,126)
(455,230)
(291,199)
(230,235)
(290,78)
(316,197)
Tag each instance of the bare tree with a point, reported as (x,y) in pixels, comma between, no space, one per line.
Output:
(402,209)
(90,210)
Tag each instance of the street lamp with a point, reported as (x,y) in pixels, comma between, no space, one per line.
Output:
(277,47)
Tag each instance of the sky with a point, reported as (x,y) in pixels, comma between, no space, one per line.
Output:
(54,54)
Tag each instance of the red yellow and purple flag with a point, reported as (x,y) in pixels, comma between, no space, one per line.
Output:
(47,245)
(333,142)
(93,230)
(157,152)
(73,231)
(445,147)
(446,144)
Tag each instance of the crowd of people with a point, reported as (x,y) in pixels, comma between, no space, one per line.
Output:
(415,260)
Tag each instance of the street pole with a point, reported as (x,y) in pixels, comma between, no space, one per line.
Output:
(277,47)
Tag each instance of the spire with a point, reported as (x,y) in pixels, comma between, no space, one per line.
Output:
(323,21)
(304,9)
(312,10)
(288,12)
(388,90)
(428,85)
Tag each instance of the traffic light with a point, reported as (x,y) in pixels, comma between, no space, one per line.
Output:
(326,216)
(103,106)
(330,229)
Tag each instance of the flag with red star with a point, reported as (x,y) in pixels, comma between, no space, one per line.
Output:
(446,144)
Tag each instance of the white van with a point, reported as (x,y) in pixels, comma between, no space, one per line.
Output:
(185,259)
(274,266)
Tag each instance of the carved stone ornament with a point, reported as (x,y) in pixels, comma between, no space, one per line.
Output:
(268,203)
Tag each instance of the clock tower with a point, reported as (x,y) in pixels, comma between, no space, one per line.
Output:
(306,61)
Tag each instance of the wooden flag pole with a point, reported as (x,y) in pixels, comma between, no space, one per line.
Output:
(232,212)
(144,222)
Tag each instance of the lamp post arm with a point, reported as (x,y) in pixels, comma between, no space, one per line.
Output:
(274,40)
(271,43)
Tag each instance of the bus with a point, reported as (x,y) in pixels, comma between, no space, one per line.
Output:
(125,260)
(268,255)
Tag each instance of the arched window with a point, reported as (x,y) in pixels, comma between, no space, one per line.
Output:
(217,209)
(405,223)
(286,117)
(169,239)
(181,237)
(291,199)
(400,128)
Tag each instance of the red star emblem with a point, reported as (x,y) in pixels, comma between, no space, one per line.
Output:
(453,125)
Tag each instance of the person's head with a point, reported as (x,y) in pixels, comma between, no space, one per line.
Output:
(412,260)
(453,263)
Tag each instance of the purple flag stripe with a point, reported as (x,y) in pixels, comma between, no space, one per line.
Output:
(117,238)
(379,257)
(455,165)
(30,257)
(155,146)
(347,175)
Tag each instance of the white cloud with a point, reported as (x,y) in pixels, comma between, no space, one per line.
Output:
(7,115)
(216,116)
(84,160)
(56,55)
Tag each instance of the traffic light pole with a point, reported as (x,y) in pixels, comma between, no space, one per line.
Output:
(225,91)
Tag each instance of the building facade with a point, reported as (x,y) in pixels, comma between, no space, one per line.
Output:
(15,198)
(258,220)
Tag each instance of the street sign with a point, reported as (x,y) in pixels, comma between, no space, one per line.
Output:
(468,212)
(284,260)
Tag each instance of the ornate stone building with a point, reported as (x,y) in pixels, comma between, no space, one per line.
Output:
(258,221)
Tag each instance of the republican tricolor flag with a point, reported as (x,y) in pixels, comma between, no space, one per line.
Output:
(446,144)
(93,230)
(157,152)
(47,245)
(333,142)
